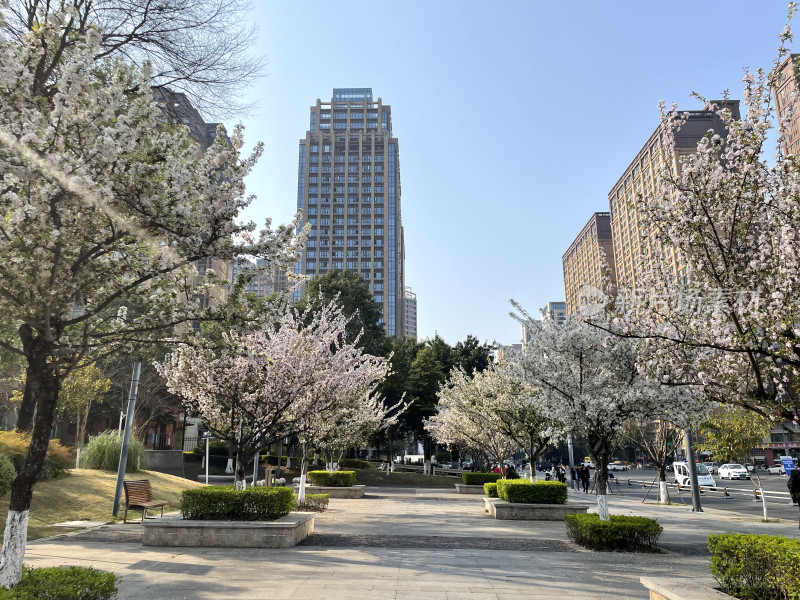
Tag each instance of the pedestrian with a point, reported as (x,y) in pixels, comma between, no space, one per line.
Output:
(794,485)
(583,474)
(562,473)
(496,469)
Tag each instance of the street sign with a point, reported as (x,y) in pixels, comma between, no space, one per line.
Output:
(207,435)
(788,464)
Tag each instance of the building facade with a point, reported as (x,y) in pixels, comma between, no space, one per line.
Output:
(785,92)
(588,260)
(631,243)
(554,313)
(266,280)
(348,191)
(410,320)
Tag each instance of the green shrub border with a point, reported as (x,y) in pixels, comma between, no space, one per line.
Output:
(313,502)
(756,567)
(490,489)
(62,583)
(479,478)
(218,503)
(521,491)
(332,478)
(622,532)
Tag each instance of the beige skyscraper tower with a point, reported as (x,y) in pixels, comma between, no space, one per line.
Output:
(349,192)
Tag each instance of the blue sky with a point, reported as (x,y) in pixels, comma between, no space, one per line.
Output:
(514,120)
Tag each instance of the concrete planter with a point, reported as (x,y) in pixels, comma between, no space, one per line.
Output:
(285,532)
(500,509)
(663,588)
(463,488)
(354,491)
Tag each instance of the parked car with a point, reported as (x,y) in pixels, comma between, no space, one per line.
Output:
(711,468)
(617,466)
(733,471)
(776,470)
(589,464)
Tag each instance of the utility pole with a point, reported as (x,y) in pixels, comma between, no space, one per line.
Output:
(123,455)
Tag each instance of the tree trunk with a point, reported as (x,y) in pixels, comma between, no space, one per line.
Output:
(240,481)
(600,451)
(27,408)
(663,496)
(301,494)
(42,384)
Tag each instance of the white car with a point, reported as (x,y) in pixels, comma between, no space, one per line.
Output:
(617,466)
(733,471)
(776,470)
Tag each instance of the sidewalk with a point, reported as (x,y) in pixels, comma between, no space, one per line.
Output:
(402,544)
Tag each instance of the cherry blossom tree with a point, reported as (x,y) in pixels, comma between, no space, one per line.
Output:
(594,385)
(291,378)
(467,413)
(103,209)
(731,217)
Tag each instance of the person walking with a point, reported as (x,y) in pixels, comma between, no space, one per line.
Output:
(583,475)
(794,485)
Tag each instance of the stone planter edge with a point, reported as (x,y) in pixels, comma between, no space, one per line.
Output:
(351,491)
(285,532)
(511,511)
(463,488)
(693,588)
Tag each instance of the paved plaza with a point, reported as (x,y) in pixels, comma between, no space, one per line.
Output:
(405,543)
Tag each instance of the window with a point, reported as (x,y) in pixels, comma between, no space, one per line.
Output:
(337,264)
(314,148)
(351,264)
(325,210)
(352,243)
(365,242)
(310,266)
(366,190)
(366,158)
(378,199)
(352,178)
(378,275)
(379,242)
(352,210)
(353,158)
(312,210)
(378,178)
(379,298)
(378,231)
(365,168)
(338,210)
(365,221)
(312,221)
(378,158)
(352,189)
(311,243)
(338,200)
(378,220)
(378,253)
(351,221)
(365,254)
(326,169)
(338,253)
(378,287)
(378,210)
(352,254)
(338,243)
(340,158)
(325,221)
(378,189)
(365,179)
(351,232)
(365,210)
(352,168)
(378,264)
(311,254)
(379,168)
(323,264)
(313,169)
(337,168)
(352,200)
(338,231)
(338,178)
(365,264)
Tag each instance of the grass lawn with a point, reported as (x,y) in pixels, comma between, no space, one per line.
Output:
(85,494)
(376,477)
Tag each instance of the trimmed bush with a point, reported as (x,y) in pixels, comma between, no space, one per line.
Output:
(633,534)
(62,583)
(215,448)
(217,503)
(7,474)
(355,463)
(756,567)
(332,478)
(479,478)
(102,453)
(14,444)
(490,489)
(315,502)
(522,491)
(272,460)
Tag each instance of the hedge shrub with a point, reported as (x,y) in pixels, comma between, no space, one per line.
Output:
(315,502)
(527,492)
(103,450)
(490,489)
(14,444)
(355,463)
(479,478)
(59,583)
(215,448)
(756,567)
(332,478)
(620,533)
(7,474)
(217,503)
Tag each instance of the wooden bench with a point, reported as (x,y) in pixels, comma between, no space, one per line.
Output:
(139,494)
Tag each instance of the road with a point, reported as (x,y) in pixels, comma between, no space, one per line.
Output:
(741,495)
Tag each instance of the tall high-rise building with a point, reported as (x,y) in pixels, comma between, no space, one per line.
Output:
(266,278)
(348,190)
(411,314)
(555,313)
(631,243)
(589,259)
(786,90)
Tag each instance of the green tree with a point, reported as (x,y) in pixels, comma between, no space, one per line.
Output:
(357,303)
(472,356)
(81,389)
(731,436)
